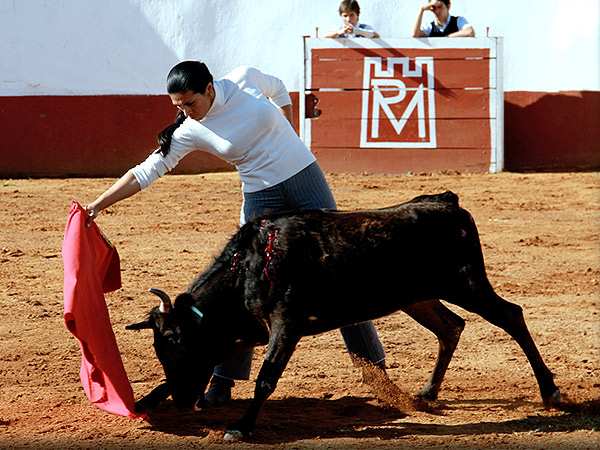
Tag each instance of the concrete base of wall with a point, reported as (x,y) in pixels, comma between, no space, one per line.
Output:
(61,136)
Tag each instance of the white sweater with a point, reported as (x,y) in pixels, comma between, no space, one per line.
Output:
(242,127)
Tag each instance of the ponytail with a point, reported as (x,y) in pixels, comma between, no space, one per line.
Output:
(186,76)
(164,137)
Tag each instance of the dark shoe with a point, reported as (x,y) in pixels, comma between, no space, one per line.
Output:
(219,391)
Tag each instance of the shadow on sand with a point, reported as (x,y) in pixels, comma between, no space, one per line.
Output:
(292,419)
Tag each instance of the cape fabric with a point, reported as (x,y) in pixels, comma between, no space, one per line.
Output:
(92,268)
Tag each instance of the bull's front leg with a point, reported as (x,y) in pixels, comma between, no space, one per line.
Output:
(282,343)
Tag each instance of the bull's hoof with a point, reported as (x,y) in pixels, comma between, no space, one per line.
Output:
(142,406)
(233,435)
(427,393)
(553,400)
(422,404)
(158,395)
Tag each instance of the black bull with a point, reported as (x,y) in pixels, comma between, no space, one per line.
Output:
(285,276)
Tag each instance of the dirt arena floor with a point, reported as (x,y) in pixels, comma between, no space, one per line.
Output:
(540,236)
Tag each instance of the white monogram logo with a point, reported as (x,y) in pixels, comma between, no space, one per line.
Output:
(419,96)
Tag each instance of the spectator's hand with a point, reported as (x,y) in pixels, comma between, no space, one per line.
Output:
(431,6)
(348,29)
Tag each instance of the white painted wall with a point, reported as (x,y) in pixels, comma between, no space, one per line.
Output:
(76,47)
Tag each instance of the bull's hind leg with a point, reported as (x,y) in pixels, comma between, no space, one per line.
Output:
(508,316)
(447,327)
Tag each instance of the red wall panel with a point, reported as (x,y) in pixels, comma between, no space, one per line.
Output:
(415,109)
(403,160)
(86,135)
(552,131)
(452,68)
(106,135)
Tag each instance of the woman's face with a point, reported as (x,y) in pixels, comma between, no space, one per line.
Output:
(192,104)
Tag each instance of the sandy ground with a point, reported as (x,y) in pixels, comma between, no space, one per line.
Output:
(540,235)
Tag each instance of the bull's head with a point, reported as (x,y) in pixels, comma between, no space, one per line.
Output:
(178,344)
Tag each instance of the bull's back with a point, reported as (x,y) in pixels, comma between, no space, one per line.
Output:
(344,261)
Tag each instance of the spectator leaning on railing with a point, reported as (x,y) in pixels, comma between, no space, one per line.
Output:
(349,12)
(445,25)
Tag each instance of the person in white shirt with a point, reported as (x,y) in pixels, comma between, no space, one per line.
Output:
(244,118)
(349,12)
(445,25)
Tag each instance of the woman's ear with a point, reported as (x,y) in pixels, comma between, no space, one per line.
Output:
(210,90)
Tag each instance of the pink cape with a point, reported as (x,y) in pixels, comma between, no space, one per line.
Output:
(92,268)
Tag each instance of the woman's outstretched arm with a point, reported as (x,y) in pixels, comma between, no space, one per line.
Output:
(125,187)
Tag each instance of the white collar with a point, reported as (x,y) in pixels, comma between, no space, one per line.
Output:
(219,97)
(443,27)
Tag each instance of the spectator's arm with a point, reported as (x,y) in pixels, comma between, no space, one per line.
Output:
(368,33)
(417,31)
(334,33)
(464,29)
(467,31)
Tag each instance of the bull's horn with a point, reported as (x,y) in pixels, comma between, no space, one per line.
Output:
(165,305)
(139,326)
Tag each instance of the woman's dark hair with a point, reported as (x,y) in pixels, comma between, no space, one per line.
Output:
(349,5)
(186,76)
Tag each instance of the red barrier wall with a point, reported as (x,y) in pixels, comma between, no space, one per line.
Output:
(61,136)
(58,136)
(552,131)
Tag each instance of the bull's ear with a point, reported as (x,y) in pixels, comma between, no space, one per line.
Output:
(196,314)
(140,326)
(186,302)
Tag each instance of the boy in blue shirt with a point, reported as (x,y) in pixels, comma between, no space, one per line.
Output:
(349,12)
